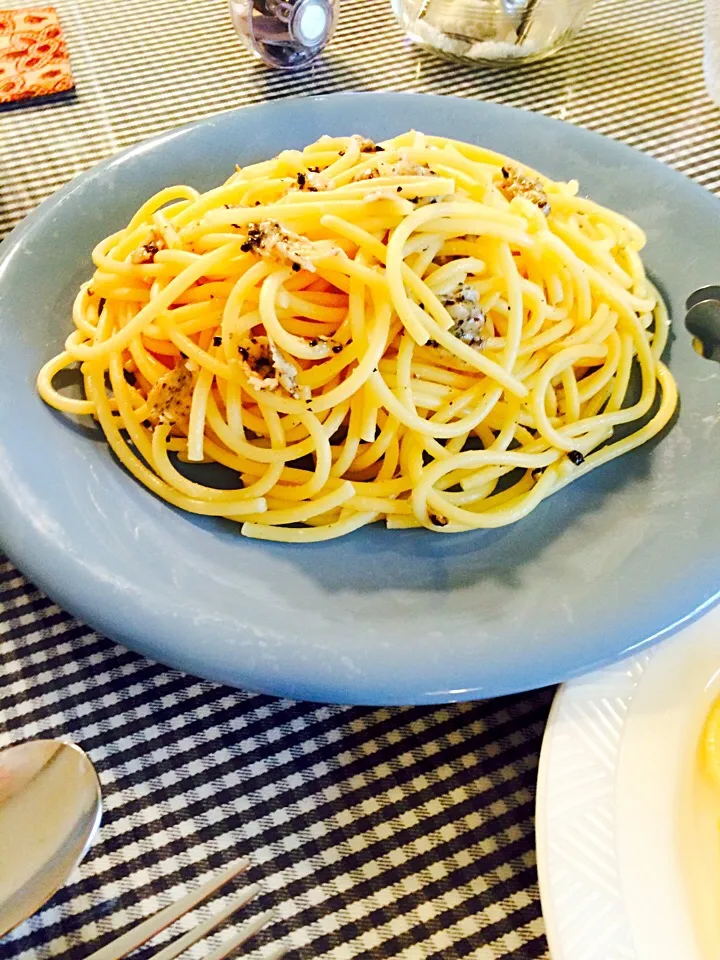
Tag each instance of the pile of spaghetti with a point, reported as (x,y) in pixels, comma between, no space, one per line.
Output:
(419,331)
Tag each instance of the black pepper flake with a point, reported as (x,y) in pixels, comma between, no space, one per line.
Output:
(101,305)
(422,306)
(337,348)
(379,149)
(313,169)
(129,377)
(312,343)
(399,189)
(301,180)
(146,423)
(296,267)
(505,172)
(432,343)
(312,189)
(246,247)
(576,457)
(217,341)
(257,203)
(341,153)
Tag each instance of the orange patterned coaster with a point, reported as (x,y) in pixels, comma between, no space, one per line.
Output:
(33,57)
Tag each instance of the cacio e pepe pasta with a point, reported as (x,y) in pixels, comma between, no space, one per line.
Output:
(421,332)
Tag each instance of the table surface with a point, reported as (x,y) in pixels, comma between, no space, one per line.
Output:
(401,833)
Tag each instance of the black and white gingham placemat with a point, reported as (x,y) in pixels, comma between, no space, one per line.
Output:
(399,833)
(375,833)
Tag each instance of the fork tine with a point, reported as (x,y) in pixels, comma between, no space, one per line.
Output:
(148,928)
(246,931)
(202,929)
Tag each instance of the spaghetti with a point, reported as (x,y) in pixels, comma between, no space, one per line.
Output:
(419,332)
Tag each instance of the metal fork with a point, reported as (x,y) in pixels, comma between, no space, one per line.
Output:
(146,930)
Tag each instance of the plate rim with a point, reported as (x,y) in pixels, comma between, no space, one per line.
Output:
(605,681)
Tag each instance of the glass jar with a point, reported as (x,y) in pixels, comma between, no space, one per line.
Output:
(492,32)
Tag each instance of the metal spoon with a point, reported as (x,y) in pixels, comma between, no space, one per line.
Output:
(50,809)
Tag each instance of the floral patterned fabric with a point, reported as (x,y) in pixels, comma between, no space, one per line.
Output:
(33,57)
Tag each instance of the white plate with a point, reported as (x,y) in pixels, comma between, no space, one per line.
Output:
(627,828)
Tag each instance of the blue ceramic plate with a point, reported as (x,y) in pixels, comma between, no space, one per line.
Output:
(616,561)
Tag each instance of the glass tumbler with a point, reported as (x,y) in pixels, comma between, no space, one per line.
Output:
(712,49)
(492,32)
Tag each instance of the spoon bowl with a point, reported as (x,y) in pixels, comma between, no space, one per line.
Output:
(50,810)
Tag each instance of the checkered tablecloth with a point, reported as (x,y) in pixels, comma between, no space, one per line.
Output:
(401,833)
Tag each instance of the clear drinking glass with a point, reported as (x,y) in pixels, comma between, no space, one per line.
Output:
(492,32)
(712,49)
